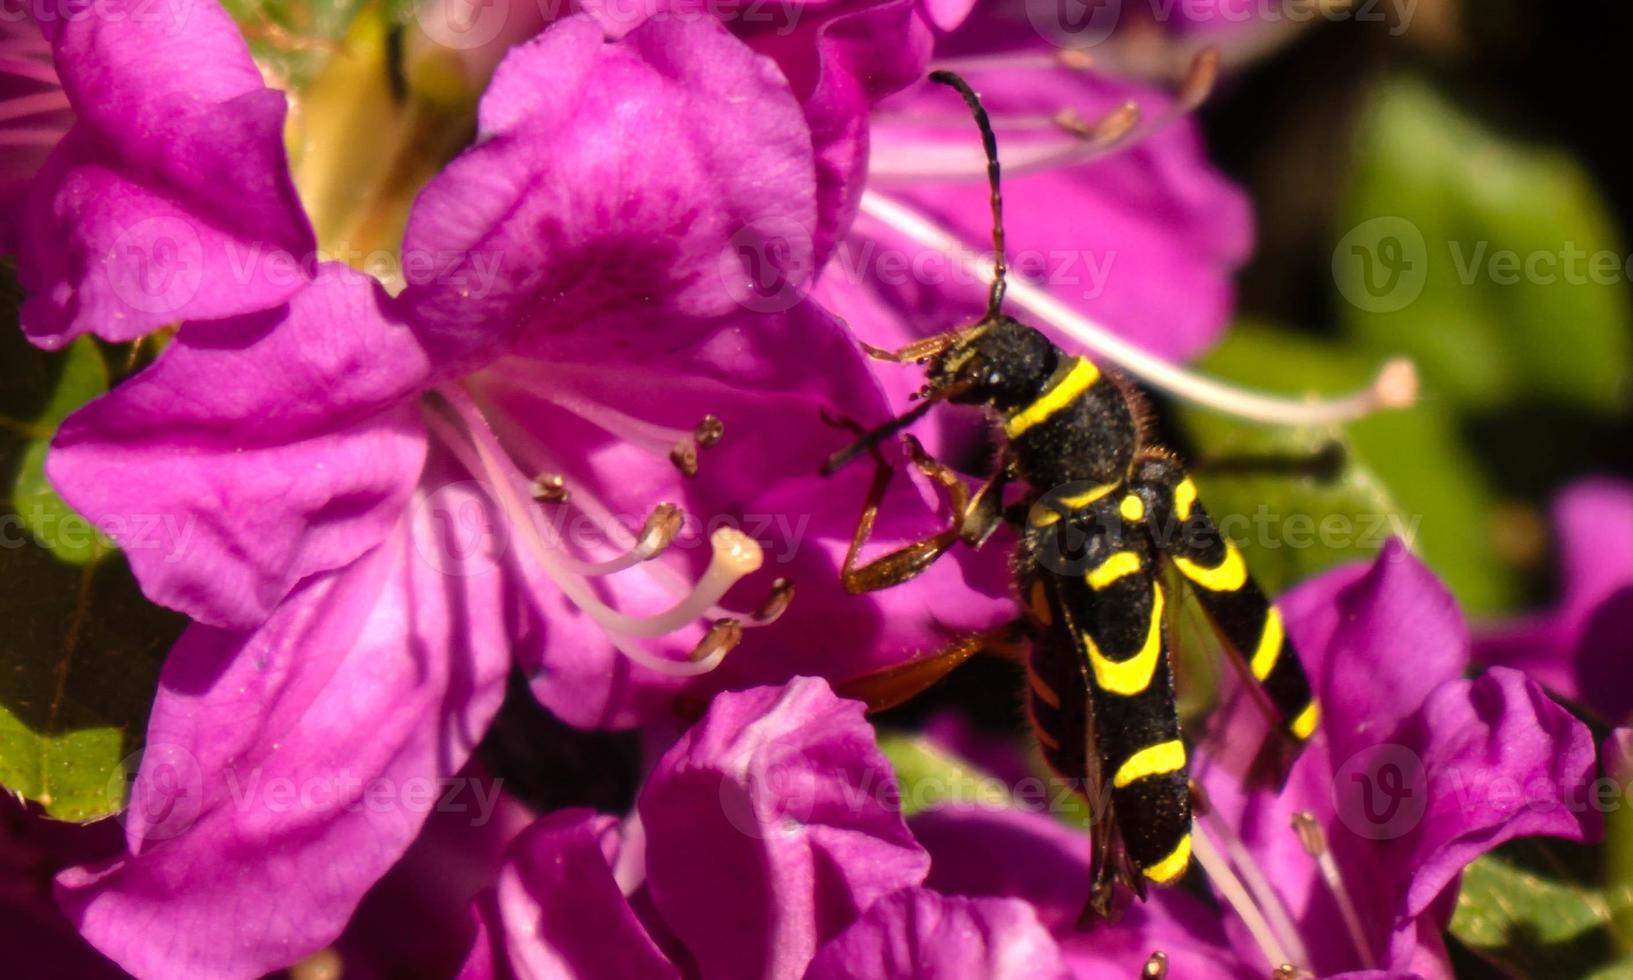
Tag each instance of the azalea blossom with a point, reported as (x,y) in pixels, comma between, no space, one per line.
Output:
(364,494)
(715,872)
(1579,649)
(1421,770)
(151,167)
(1354,864)
(764,831)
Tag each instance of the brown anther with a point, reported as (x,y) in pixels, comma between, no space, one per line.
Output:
(1310,834)
(1076,59)
(1288,971)
(1200,78)
(549,488)
(782,593)
(709,431)
(660,529)
(1156,968)
(1116,124)
(684,456)
(1069,120)
(722,636)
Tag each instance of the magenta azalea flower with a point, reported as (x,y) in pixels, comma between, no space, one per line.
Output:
(762,834)
(1416,772)
(169,196)
(1144,241)
(1420,771)
(920,933)
(374,506)
(1580,648)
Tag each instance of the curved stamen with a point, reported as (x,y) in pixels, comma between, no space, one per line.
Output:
(1230,889)
(535,452)
(775,604)
(1314,840)
(735,554)
(1394,387)
(1275,912)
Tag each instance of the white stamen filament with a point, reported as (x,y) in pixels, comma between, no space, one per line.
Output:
(1275,912)
(533,451)
(475,445)
(1230,889)
(526,377)
(1314,839)
(1394,387)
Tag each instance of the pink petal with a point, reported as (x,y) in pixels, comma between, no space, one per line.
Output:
(171,198)
(288,768)
(770,826)
(246,459)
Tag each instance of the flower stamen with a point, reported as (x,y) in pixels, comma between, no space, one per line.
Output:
(549,488)
(1394,387)
(1235,894)
(1314,839)
(1275,912)
(1156,967)
(472,441)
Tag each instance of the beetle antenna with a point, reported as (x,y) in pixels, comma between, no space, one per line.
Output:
(989,142)
(877,435)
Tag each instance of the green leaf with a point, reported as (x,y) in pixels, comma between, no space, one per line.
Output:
(1535,908)
(43,514)
(81,647)
(1494,264)
(1404,473)
(929,776)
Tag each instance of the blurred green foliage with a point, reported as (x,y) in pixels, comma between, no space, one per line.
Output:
(81,647)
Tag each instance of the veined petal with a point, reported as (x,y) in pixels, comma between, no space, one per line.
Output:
(917,933)
(171,198)
(993,851)
(552,235)
(287,768)
(769,379)
(770,826)
(254,453)
(1145,241)
(558,912)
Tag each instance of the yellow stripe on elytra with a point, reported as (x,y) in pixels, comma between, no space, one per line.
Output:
(1132,508)
(1080,378)
(1173,865)
(1153,760)
(1227,576)
(1043,514)
(1270,641)
(1131,676)
(1118,565)
(1184,498)
(1303,726)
